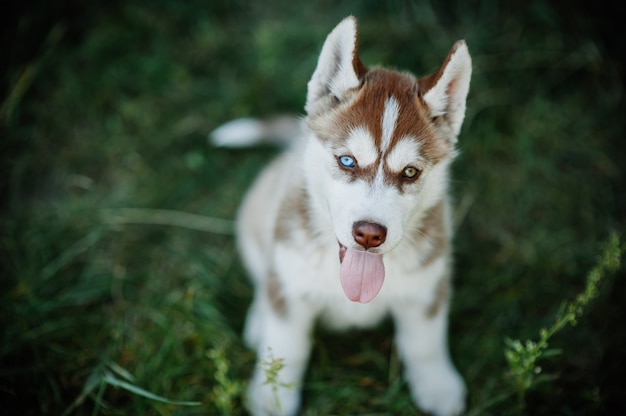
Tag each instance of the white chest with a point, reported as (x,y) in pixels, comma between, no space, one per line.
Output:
(313,278)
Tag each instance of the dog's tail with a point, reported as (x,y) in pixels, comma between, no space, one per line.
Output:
(242,132)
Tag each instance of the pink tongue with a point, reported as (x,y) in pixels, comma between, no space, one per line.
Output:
(362,275)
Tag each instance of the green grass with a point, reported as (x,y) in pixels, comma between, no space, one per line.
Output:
(121,289)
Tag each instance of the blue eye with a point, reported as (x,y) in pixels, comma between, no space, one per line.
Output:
(347,161)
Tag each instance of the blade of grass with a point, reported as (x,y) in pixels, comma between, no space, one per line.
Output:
(120,371)
(116,382)
(99,397)
(168,217)
(93,381)
(103,375)
(71,253)
(28,73)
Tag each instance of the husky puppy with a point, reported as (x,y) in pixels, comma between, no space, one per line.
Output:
(352,223)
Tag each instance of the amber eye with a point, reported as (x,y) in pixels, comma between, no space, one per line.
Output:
(410,172)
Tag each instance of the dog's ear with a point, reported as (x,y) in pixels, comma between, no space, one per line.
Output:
(339,68)
(445,91)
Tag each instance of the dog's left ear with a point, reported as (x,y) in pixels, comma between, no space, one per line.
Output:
(445,91)
(339,68)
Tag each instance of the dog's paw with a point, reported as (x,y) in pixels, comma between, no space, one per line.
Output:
(265,399)
(439,391)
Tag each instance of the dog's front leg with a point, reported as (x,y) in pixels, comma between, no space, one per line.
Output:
(283,353)
(421,338)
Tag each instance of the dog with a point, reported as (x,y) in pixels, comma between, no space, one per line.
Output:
(352,223)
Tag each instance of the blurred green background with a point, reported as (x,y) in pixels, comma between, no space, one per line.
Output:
(121,290)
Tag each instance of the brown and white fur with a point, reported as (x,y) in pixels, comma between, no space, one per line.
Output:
(370,174)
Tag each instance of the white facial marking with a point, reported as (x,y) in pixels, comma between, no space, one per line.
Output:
(403,154)
(390,117)
(360,144)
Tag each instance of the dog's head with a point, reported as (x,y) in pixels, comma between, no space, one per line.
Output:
(383,143)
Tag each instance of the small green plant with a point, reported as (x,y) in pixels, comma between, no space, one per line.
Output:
(522,357)
(227,390)
(271,367)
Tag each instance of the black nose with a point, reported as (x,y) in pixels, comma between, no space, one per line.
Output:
(369,234)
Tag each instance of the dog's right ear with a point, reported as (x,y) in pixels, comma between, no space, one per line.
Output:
(339,68)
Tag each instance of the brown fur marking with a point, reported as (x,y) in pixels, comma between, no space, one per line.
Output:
(294,214)
(358,66)
(442,294)
(433,229)
(275,295)
(413,118)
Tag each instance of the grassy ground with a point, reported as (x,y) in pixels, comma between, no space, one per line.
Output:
(121,289)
